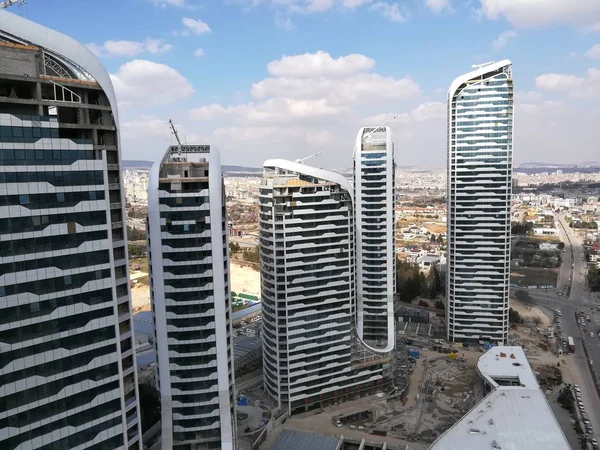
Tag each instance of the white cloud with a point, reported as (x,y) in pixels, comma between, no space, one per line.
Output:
(169,3)
(531,13)
(500,42)
(390,11)
(130,48)
(319,64)
(527,96)
(145,125)
(571,85)
(193,26)
(437,6)
(147,82)
(284,22)
(199,53)
(352,4)
(593,52)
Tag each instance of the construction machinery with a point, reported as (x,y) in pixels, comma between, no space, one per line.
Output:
(306,158)
(8,3)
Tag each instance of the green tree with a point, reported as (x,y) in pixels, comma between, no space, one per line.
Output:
(423,303)
(251,254)
(514,316)
(149,406)
(434,282)
(234,247)
(432,238)
(524,297)
(439,305)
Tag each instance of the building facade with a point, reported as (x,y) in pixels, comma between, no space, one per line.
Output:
(480,154)
(67,363)
(190,293)
(375,236)
(312,356)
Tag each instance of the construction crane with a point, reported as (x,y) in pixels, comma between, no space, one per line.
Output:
(479,66)
(306,158)
(8,3)
(176,137)
(367,137)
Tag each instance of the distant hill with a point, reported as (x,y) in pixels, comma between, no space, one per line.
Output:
(537,167)
(147,165)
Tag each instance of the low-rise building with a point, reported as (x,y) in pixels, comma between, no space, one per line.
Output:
(514,415)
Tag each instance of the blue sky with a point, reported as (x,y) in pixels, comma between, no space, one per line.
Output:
(218,69)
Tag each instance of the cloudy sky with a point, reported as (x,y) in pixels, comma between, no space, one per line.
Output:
(287,78)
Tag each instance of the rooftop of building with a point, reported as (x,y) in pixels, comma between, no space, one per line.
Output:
(510,417)
(297,440)
(507,363)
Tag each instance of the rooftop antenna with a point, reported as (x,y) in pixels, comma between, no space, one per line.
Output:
(479,66)
(176,137)
(306,158)
(8,3)
(367,137)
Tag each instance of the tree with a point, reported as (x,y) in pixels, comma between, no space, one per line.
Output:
(423,303)
(234,247)
(434,282)
(149,406)
(440,239)
(251,254)
(514,316)
(522,228)
(133,234)
(439,305)
(524,297)
(432,238)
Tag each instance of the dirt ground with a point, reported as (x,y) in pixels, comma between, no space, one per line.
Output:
(530,313)
(244,279)
(140,298)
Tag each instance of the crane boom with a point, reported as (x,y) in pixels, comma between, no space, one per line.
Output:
(8,3)
(301,160)
(368,135)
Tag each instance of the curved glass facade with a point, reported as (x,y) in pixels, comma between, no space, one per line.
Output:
(480,154)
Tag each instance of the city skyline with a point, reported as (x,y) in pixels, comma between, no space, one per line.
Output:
(309,88)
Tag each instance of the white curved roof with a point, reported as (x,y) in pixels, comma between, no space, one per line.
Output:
(62,45)
(474,74)
(312,172)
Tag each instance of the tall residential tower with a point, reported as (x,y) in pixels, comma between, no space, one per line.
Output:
(313,355)
(375,236)
(480,154)
(189,273)
(67,363)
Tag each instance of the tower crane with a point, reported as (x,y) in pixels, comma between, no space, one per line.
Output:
(8,3)
(306,158)
(174,131)
(367,137)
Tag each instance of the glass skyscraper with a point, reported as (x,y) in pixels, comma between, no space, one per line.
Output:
(480,155)
(189,274)
(67,363)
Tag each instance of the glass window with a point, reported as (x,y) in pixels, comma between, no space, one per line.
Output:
(60,197)
(24,199)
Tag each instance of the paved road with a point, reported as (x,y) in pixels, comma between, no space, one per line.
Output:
(573,274)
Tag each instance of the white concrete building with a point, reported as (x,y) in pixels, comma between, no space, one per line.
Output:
(67,368)
(311,354)
(480,154)
(514,415)
(374,188)
(190,295)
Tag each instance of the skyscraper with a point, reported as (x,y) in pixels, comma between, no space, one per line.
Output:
(375,236)
(312,354)
(480,132)
(67,364)
(189,273)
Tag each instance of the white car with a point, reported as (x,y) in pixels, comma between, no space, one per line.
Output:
(591,335)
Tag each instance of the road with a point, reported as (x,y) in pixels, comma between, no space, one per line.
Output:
(572,283)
